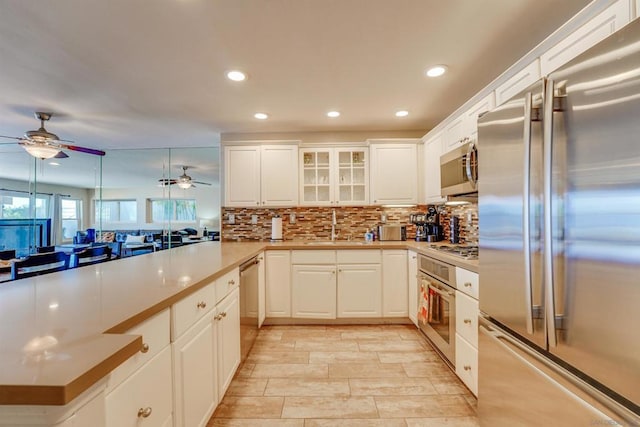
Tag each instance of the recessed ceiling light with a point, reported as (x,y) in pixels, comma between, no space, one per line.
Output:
(402,113)
(54,164)
(436,71)
(333,114)
(261,116)
(236,76)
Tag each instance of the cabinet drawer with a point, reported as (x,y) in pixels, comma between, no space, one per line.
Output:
(148,389)
(359,256)
(313,257)
(226,284)
(155,336)
(189,310)
(467,282)
(467,318)
(467,364)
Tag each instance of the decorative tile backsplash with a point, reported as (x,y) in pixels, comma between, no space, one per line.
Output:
(314,223)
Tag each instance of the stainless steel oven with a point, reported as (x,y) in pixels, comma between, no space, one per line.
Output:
(437,305)
(459,171)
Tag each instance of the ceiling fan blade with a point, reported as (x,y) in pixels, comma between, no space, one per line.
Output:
(61,155)
(11,137)
(83,149)
(200,182)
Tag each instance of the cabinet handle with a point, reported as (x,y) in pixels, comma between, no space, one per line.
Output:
(231,282)
(145,348)
(467,321)
(217,317)
(257,203)
(201,304)
(467,367)
(467,284)
(413,257)
(144,412)
(340,271)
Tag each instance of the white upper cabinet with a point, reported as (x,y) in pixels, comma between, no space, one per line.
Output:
(465,127)
(261,175)
(334,176)
(471,116)
(598,28)
(393,173)
(432,153)
(520,81)
(242,175)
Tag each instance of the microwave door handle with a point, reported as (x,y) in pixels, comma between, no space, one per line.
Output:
(526,213)
(470,175)
(547,198)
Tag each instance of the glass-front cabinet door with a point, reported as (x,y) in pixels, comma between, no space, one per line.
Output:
(352,176)
(334,176)
(316,177)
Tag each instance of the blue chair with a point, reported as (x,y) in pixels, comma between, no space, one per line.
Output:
(35,265)
(89,256)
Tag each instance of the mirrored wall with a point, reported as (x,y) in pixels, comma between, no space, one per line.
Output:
(146,192)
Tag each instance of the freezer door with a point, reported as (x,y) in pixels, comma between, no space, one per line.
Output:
(518,387)
(595,214)
(510,196)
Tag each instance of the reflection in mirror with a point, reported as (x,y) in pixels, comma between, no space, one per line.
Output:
(44,202)
(155,198)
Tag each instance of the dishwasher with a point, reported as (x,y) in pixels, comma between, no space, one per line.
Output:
(248,305)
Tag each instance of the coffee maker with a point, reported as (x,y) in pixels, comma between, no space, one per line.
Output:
(433,229)
(420,221)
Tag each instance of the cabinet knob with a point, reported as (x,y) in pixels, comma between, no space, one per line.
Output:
(217,317)
(340,271)
(144,412)
(145,348)
(231,282)
(257,203)
(467,367)
(467,284)
(413,257)
(467,321)
(201,304)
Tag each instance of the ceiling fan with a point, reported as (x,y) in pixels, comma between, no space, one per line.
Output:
(43,144)
(184,181)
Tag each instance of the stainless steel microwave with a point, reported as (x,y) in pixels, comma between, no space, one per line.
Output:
(459,170)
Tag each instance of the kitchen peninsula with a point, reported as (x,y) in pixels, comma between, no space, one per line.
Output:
(62,333)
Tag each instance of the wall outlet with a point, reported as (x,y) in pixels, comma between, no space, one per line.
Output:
(254,219)
(232,218)
(383,218)
(292,218)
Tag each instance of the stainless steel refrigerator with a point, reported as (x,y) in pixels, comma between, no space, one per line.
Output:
(559,212)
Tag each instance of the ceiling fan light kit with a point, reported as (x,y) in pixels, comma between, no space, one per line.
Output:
(41,151)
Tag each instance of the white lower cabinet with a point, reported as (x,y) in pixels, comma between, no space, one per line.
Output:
(92,414)
(278,284)
(395,292)
(194,375)
(467,338)
(145,398)
(412,280)
(313,291)
(467,364)
(359,292)
(227,342)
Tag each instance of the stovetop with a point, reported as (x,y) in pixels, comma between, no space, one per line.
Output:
(469,252)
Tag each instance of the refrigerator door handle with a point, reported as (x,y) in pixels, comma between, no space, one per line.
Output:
(547,197)
(526,213)
(468,166)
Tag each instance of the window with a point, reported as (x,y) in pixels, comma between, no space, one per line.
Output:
(15,205)
(181,210)
(116,211)
(71,215)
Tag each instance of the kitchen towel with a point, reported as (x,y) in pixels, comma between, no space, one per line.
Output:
(276,228)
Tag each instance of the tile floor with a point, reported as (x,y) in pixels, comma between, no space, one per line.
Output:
(352,376)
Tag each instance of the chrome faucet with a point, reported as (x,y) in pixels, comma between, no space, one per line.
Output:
(334,222)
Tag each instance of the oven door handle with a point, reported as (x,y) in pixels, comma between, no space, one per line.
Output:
(441,293)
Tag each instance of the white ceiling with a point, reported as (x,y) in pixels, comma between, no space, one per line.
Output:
(133,73)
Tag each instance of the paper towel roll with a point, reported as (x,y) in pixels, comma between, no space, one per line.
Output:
(276,228)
